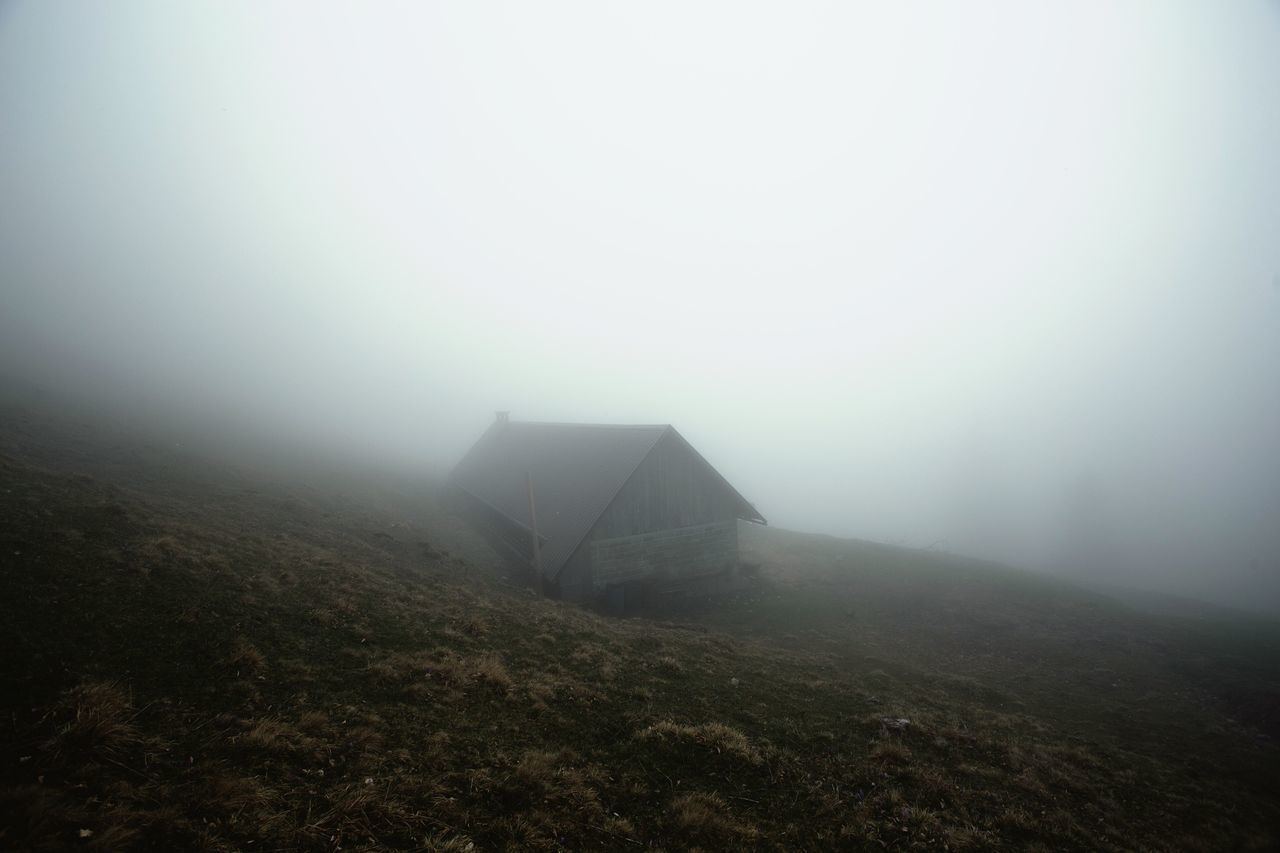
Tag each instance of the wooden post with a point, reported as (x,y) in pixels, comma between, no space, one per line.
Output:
(533,528)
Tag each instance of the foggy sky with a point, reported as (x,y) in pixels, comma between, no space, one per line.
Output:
(999,278)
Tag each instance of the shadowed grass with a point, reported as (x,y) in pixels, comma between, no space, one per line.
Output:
(204,659)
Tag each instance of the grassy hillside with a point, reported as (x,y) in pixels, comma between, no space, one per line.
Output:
(198,654)
(1045,646)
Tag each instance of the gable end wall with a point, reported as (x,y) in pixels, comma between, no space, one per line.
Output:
(673,519)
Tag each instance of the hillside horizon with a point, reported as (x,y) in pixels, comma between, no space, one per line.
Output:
(256,447)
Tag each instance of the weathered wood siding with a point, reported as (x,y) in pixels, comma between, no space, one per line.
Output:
(676,555)
(673,519)
(671,488)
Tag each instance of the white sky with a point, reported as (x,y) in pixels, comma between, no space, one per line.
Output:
(896,268)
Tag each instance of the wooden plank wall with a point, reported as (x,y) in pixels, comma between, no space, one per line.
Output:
(671,488)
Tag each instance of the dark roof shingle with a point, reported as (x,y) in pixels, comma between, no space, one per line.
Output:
(577,470)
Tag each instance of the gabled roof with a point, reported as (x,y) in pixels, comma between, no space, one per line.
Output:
(577,471)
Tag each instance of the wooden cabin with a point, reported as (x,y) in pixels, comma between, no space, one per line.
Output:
(603,511)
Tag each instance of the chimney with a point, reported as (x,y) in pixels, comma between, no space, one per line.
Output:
(504,418)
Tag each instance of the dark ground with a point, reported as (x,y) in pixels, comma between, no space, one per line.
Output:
(241,655)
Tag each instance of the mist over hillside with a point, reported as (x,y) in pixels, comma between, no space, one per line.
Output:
(921,276)
(978,304)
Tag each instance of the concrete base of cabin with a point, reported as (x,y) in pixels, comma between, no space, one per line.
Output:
(647,597)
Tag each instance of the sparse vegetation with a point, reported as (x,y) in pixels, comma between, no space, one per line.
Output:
(716,737)
(92,720)
(707,818)
(280,676)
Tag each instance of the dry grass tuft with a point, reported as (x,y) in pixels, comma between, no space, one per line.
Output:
(538,767)
(707,817)
(94,718)
(246,657)
(271,734)
(441,666)
(717,737)
(619,826)
(232,793)
(489,669)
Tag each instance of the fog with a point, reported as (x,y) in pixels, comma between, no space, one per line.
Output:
(1001,279)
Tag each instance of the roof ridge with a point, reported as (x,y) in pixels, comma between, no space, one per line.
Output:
(585,425)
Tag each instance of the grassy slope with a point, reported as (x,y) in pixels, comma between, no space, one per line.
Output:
(196,656)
